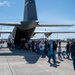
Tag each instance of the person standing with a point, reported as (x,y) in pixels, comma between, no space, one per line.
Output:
(42,47)
(72,50)
(68,50)
(54,48)
(51,53)
(59,53)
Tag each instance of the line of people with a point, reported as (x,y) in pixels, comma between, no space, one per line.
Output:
(43,48)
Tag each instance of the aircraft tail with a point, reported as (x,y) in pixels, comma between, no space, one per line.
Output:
(30,10)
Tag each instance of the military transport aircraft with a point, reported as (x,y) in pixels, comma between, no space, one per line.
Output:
(25,29)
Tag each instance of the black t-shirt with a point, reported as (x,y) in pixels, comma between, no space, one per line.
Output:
(68,47)
(72,49)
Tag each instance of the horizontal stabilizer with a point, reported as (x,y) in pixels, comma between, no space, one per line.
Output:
(54,25)
(10,23)
(5,31)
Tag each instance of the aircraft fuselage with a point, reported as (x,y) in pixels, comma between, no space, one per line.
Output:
(24,31)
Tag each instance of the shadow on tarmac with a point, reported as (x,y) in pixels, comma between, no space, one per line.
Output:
(29,56)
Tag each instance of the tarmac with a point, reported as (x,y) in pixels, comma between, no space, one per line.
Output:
(20,62)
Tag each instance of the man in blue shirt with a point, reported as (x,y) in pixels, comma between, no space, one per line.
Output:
(51,52)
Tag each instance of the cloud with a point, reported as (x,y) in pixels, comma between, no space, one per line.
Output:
(4,3)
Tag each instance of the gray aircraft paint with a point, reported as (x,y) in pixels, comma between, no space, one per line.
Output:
(30,10)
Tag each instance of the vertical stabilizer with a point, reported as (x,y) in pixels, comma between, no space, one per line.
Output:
(30,10)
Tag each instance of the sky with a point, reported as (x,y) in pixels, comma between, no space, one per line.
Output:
(48,11)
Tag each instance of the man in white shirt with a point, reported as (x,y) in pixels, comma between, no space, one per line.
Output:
(42,47)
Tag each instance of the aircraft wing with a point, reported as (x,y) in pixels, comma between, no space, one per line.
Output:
(64,32)
(53,25)
(36,32)
(5,31)
(10,23)
(48,33)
